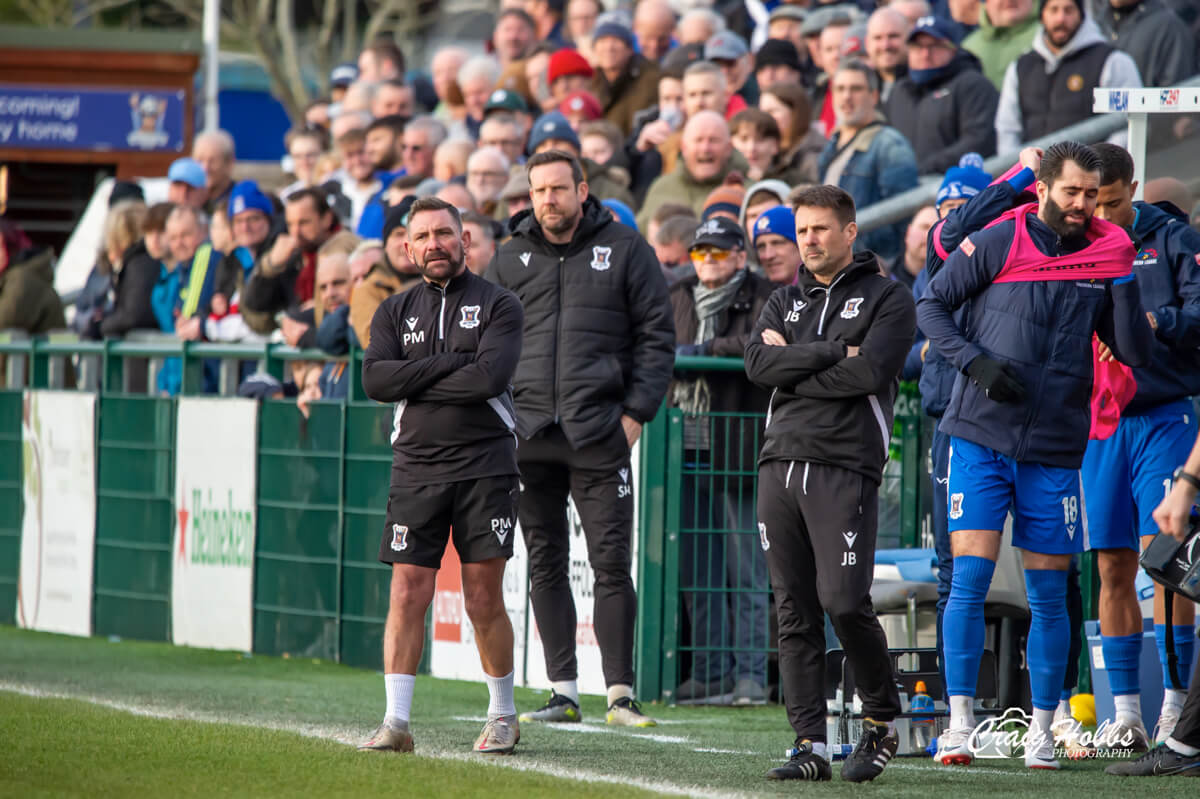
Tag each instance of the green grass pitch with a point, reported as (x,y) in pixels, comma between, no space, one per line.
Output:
(90,717)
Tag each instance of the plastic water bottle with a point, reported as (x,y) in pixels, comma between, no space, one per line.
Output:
(922,726)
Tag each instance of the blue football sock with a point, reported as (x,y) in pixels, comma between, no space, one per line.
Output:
(962,623)
(1049,630)
(1185,650)
(1121,656)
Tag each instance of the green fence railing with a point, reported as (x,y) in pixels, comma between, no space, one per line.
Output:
(322,496)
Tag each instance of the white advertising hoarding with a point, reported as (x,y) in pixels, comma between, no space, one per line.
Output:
(58,530)
(212,580)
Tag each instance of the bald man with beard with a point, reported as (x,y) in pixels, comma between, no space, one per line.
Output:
(708,157)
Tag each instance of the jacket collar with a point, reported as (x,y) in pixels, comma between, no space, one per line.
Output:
(863,264)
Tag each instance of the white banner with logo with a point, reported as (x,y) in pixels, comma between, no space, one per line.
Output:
(212,580)
(58,530)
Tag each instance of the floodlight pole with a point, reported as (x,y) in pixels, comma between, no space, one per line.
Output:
(212,48)
(1138,105)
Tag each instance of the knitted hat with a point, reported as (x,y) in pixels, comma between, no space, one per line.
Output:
(778,220)
(624,212)
(727,197)
(614,29)
(552,125)
(246,196)
(777,52)
(583,102)
(567,62)
(963,181)
(397,216)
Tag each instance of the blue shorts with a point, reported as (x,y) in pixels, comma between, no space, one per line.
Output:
(1126,476)
(1048,513)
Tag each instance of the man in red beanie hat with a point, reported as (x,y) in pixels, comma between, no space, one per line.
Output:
(568,72)
(579,107)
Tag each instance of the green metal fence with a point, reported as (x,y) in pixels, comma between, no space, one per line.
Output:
(11,501)
(706,614)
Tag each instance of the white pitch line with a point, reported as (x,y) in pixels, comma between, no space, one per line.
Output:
(350,738)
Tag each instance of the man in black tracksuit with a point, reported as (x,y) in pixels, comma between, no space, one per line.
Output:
(599,347)
(444,352)
(830,349)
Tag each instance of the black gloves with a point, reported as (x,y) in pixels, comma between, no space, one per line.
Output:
(996,380)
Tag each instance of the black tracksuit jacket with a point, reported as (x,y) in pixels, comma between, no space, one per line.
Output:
(825,407)
(446,358)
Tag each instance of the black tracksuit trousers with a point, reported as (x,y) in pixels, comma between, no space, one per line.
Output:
(817,524)
(599,480)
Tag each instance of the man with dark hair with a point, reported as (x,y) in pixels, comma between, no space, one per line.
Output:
(870,160)
(444,352)
(1124,473)
(383,147)
(1041,281)
(381,60)
(514,34)
(1050,87)
(599,348)
(547,15)
(830,349)
(284,277)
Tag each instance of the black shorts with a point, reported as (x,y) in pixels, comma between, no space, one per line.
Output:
(482,513)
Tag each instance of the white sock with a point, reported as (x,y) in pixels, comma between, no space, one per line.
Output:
(567,688)
(619,691)
(1173,698)
(1183,749)
(1064,709)
(1044,720)
(500,692)
(399,688)
(1129,708)
(962,712)
(819,749)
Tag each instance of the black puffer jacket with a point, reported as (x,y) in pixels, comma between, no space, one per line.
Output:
(599,340)
(950,116)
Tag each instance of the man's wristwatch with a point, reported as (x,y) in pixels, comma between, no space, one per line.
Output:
(1190,479)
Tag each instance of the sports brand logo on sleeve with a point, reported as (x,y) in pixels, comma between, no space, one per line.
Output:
(525,258)
(470,317)
(967,247)
(851,308)
(601,258)
(399,537)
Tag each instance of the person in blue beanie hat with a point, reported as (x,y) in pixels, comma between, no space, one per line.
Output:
(774,238)
(961,183)
(552,127)
(552,131)
(621,212)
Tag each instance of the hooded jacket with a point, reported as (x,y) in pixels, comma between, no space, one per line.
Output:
(826,407)
(1042,331)
(1045,91)
(948,117)
(1168,276)
(1155,38)
(28,300)
(599,341)
(996,48)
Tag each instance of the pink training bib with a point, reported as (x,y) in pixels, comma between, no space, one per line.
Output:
(1109,254)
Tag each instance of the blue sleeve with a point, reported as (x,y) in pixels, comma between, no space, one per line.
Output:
(370,224)
(1179,325)
(964,276)
(981,210)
